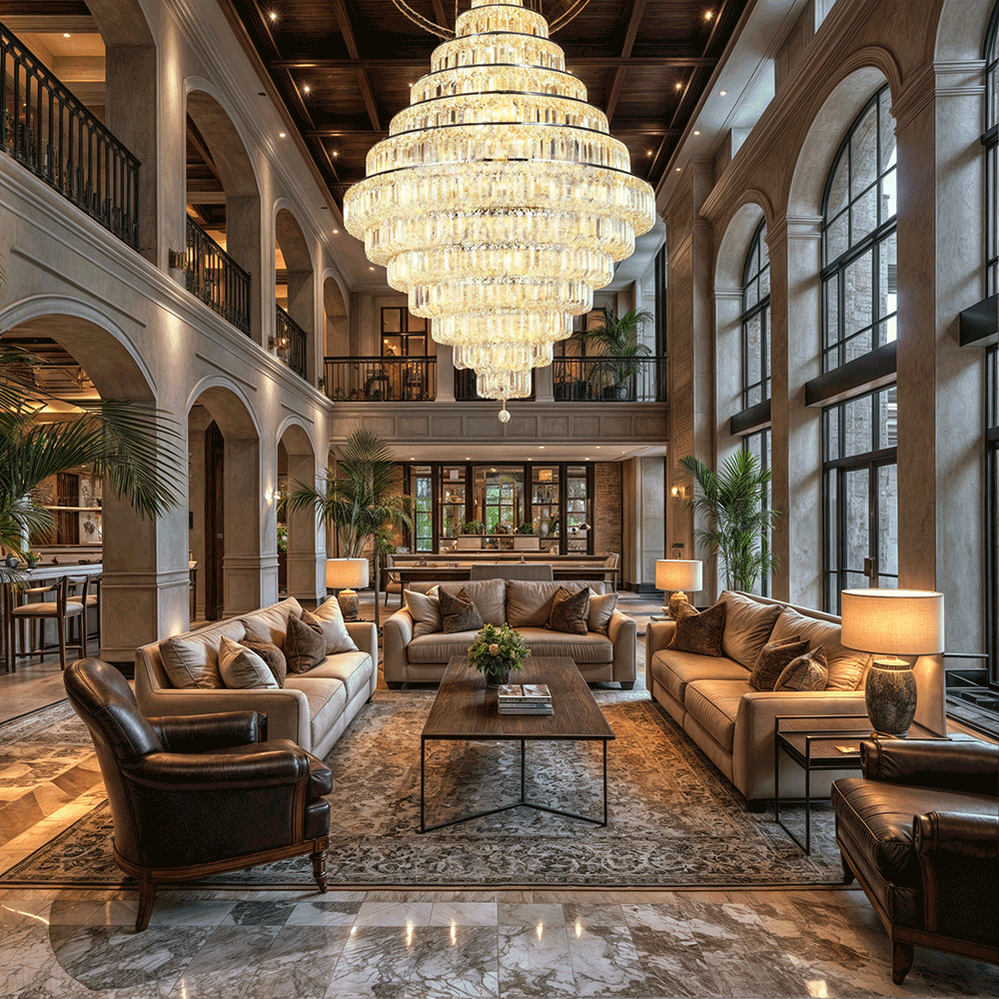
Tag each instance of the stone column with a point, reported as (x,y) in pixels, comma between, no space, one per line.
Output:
(306,539)
(247,582)
(244,239)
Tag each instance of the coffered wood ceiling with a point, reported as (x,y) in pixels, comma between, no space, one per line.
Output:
(344,67)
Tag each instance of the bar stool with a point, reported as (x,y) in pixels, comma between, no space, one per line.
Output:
(94,600)
(64,608)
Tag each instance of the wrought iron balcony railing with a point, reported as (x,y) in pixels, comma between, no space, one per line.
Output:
(381,379)
(215,278)
(291,341)
(44,127)
(609,379)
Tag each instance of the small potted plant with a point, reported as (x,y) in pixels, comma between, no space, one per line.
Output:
(526,538)
(497,651)
(473,527)
(33,558)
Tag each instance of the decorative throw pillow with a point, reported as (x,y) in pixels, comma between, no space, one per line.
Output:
(270,653)
(304,646)
(570,612)
(425,611)
(699,632)
(807,672)
(601,609)
(329,617)
(458,612)
(189,662)
(241,668)
(773,659)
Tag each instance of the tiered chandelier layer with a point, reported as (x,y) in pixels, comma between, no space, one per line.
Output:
(499,201)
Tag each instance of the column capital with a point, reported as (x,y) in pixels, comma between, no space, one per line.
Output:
(793,227)
(963,78)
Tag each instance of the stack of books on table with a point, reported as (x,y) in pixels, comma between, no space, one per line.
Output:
(525,699)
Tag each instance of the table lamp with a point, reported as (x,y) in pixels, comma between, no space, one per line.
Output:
(892,623)
(677,575)
(344,574)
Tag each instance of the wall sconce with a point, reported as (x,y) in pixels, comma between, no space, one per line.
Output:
(277,342)
(177,260)
(679,492)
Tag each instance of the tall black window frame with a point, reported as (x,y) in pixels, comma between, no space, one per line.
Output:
(844,461)
(759,445)
(756,321)
(859,238)
(992,513)
(990,140)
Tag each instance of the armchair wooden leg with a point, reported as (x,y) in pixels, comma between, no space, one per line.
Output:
(902,955)
(848,876)
(319,869)
(147,895)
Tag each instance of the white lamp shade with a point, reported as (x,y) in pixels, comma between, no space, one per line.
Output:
(678,574)
(893,622)
(344,573)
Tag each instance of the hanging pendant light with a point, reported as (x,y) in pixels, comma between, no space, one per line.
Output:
(499,201)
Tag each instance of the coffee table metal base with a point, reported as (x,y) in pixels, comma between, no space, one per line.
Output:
(513,804)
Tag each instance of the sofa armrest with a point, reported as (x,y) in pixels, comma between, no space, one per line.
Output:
(658,635)
(753,741)
(396,635)
(365,637)
(204,732)
(622,630)
(950,766)
(957,859)
(287,709)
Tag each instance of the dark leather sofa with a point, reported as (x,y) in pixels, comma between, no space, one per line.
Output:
(197,795)
(920,831)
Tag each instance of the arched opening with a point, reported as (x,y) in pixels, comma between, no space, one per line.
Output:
(77,358)
(104,55)
(225,502)
(294,291)
(222,262)
(299,534)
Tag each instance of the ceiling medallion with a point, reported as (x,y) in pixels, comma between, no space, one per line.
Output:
(499,201)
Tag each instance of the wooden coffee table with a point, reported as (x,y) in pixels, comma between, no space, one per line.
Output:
(466,710)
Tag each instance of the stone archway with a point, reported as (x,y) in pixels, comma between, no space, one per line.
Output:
(306,538)
(236,556)
(144,593)
(293,264)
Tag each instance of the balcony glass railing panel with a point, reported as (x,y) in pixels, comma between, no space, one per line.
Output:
(45,128)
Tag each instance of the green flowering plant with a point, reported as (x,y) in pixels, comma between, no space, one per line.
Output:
(497,649)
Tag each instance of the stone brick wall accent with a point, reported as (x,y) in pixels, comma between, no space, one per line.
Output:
(607,505)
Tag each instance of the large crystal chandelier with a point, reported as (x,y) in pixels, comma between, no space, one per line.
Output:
(499,201)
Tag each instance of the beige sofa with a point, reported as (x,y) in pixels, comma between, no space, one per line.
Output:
(733,724)
(524,605)
(312,709)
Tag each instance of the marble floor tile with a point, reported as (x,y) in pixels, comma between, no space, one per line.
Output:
(605,961)
(258,913)
(461,913)
(589,914)
(189,912)
(324,913)
(376,961)
(299,963)
(535,962)
(673,963)
(530,914)
(394,914)
(229,957)
(456,961)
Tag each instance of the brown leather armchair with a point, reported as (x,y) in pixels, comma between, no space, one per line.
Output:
(920,831)
(197,795)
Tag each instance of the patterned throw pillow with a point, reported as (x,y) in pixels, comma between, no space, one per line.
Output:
(304,646)
(243,669)
(570,612)
(773,659)
(699,632)
(270,653)
(601,610)
(807,672)
(459,613)
(329,618)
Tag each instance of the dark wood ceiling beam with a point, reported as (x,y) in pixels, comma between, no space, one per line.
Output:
(363,80)
(440,14)
(583,62)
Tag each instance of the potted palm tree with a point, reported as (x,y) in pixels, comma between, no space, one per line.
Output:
(733,502)
(357,501)
(619,351)
(134,448)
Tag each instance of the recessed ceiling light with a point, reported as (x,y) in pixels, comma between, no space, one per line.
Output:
(282,135)
(679,169)
(708,15)
(306,88)
(541,447)
(336,232)
(723,93)
(697,133)
(678,85)
(65,34)
(273,15)
(648,152)
(336,152)
(371,268)
(598,447)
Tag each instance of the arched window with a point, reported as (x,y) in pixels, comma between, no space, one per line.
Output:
(858,239)
(756,321)
(756,356)
(860,304)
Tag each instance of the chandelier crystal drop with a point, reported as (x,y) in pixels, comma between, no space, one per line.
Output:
(499,201)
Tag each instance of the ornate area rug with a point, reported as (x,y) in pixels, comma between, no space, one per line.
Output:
(674,821)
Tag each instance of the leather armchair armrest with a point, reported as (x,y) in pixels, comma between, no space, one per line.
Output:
(957,858)
(202,733)
(365,636)
(258,766)
(950,766)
